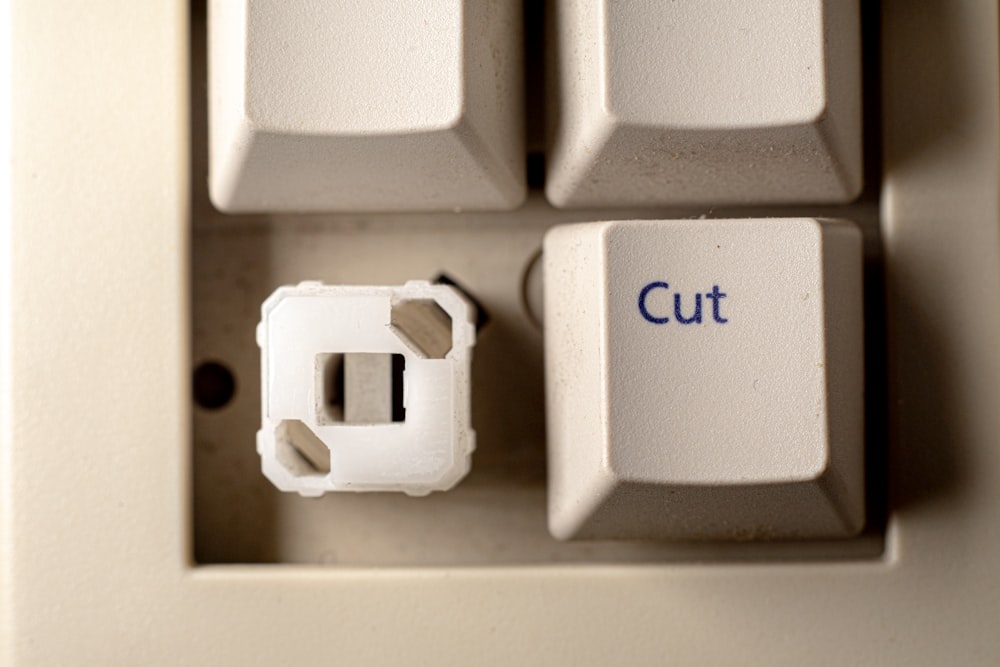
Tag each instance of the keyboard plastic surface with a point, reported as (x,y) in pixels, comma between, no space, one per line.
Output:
(129,534)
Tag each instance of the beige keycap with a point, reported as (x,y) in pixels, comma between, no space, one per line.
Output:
(394,106)
(704,102)
(704,379)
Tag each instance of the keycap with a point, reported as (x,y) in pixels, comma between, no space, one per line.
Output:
(344,106)
(704,379)
(704,102)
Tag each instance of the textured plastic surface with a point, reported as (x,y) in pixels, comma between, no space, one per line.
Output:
(316,437)
(704,379)
(95,420)
(666,103)
(366,106)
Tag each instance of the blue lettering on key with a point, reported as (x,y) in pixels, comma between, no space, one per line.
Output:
(642,302)
(694,319)
(715,296)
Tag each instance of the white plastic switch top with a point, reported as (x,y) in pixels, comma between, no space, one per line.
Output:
(705,379)
(366,388)
(382,105)
(705,102)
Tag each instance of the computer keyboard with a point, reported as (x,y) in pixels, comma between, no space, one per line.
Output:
(136,525)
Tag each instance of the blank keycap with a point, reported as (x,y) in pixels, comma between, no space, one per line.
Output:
(704,102)
(704,379)
(331,106)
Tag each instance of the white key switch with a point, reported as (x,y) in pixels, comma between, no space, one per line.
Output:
(705,379)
